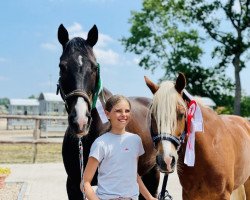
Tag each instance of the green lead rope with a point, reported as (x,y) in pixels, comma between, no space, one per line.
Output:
(98,87)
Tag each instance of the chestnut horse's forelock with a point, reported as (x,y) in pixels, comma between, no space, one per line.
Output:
(164,105)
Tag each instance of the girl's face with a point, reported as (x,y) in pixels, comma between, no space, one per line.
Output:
(119,115)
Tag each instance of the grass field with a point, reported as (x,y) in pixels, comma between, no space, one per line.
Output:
(30,153)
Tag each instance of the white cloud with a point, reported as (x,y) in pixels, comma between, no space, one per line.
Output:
(135,61)
(104,54)
(108,56)
(49,46)
(76,30)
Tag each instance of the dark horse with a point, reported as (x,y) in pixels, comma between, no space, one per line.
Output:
(78,84)
(222,161)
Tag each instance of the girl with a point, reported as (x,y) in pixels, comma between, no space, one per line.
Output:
(116,154)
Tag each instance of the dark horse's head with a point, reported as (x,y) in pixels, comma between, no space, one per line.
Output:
(79,76)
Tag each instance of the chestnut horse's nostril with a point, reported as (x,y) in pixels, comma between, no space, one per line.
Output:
(173,162)
(159,160)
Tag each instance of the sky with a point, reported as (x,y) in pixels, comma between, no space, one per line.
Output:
(30,51)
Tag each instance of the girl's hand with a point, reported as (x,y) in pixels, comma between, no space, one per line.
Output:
(82,186)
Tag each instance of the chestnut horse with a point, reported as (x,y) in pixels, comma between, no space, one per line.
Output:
(222,161)
(79,85)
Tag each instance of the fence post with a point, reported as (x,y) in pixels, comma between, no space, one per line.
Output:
(34,152)
(36,133)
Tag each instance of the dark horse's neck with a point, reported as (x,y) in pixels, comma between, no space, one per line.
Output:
(97,127)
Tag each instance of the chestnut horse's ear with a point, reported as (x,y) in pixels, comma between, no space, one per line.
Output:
(63,35)
(92,36)
(180,82)
(152,86)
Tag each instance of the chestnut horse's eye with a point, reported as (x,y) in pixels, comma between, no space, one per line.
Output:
(180,116)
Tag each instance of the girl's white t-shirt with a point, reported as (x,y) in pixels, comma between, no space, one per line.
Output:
(118,160)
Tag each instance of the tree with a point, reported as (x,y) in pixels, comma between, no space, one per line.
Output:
(4,101)
(32,97)
(161,34)
(233,41)
(245,108)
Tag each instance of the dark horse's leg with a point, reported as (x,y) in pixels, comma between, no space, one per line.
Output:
(73,190)
(70,153)
(151,181)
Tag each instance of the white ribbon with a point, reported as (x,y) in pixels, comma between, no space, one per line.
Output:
(101,111)
(196,126)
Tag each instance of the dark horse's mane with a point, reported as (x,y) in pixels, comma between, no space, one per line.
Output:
(78,81)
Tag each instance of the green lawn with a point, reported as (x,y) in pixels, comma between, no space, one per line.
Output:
(28,153)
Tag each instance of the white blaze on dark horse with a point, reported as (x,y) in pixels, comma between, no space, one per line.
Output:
(81,115)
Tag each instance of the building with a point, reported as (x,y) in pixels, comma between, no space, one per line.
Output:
(22,107)
(51,104)
(48,104)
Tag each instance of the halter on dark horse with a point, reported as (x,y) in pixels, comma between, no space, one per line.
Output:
(79,85)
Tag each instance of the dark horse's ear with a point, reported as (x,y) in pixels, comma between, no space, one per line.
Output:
(152,86)
(92,36)
(63,35)
(180,82)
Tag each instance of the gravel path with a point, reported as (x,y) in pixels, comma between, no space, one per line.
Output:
(10,191)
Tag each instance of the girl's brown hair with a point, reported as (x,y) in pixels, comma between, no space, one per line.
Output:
(113,100)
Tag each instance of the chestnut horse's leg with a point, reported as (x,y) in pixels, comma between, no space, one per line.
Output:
(247,188)
(151,181)
(73,191)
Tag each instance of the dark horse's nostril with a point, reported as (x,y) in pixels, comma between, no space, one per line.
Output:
(73,122)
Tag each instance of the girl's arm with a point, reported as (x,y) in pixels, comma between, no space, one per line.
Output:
(88,175)
(143,190)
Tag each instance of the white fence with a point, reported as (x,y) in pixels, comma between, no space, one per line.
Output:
(37,123)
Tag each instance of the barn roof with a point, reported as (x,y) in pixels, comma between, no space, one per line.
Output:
(50,97)
(24,102)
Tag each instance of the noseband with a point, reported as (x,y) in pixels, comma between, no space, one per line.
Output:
(176,141)
(74,93)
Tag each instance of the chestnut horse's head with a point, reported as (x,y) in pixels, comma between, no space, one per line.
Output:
(167,121)
(79,78)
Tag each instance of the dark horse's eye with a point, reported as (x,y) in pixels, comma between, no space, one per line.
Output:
(94,69)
